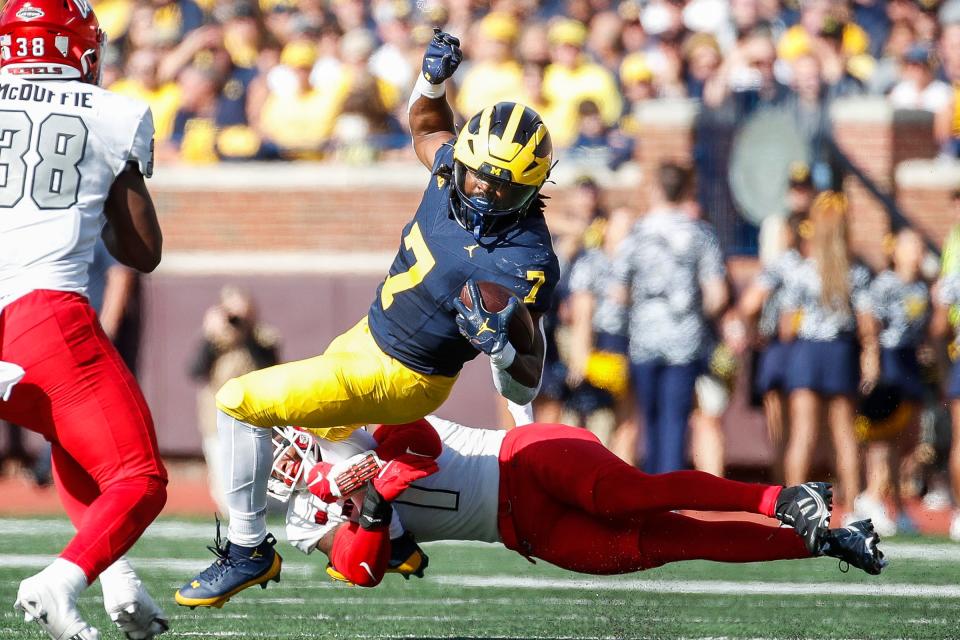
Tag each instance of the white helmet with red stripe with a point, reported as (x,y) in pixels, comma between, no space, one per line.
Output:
(295,451)
(51,39)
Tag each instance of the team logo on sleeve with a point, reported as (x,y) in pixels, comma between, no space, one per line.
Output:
(30,12)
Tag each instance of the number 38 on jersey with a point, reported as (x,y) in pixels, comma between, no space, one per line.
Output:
(51,175)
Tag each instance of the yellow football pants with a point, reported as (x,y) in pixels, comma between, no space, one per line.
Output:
(352,384)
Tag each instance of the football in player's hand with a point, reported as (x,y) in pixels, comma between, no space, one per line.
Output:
(494,299)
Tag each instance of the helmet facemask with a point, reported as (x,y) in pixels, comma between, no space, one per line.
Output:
(486,205)
(294,453)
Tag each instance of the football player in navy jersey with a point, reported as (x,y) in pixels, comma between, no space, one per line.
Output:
(480,219)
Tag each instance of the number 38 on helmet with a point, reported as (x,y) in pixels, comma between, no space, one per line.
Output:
(501,158)
(51,40)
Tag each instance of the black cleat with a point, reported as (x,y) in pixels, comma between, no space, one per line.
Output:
(855,544)
(806,507)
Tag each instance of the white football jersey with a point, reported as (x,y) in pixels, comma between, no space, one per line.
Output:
(459,502)
(62,145)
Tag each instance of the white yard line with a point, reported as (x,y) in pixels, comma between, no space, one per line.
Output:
(164,529)
(186,567)
(714,587)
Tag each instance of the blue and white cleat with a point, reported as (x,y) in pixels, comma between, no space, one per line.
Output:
(236,568)
(855,544)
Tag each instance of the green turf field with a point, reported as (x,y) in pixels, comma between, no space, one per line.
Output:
(483,591)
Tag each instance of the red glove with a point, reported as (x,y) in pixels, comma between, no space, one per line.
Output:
(418,438)
(318,484)
(397,475)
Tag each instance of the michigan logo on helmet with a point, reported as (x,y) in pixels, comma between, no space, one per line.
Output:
(51,39)
(501,157)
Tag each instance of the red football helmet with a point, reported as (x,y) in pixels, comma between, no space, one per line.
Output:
(51,39)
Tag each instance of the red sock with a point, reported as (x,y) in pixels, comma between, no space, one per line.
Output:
(361,555)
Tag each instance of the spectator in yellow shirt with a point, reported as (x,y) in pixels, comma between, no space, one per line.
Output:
(142,82)
(571,78)
(298,123)
(494,75)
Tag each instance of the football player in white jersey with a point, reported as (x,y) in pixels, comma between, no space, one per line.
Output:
(73,158)
(542,490)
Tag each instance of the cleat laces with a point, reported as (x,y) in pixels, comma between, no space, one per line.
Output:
(222,551)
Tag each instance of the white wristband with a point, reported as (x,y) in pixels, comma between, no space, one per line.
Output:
(423,88)
(504,358)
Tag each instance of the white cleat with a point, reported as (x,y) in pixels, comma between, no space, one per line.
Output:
(132,609)
(140,620)
(54,609)
(866,508)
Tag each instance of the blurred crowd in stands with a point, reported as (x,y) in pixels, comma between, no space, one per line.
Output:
(291,79)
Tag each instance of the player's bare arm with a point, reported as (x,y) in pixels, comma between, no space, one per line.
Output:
(132,233)
(527,366)
(431,118)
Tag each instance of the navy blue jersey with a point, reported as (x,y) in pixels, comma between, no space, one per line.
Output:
(412,318)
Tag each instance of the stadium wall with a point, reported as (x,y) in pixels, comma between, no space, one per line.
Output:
(312,241)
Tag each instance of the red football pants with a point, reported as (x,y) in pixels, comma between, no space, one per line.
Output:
(80,396)
(566,499)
